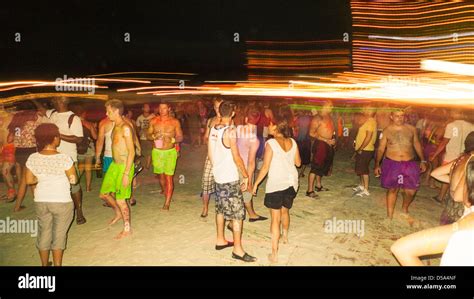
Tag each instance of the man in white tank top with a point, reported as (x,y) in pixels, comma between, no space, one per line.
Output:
(104,138)
(226,165)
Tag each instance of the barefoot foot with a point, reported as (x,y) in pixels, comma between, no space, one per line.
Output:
(123,234)
(117,218)
(272,258)
(21,208)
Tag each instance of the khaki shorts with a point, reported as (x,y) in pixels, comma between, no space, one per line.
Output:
(54,220)
(77,187)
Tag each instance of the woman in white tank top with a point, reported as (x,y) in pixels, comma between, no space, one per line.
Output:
(280,160)
(455,241)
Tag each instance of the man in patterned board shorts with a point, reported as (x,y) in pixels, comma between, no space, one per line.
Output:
(399,169)
(165,131)
(226,166)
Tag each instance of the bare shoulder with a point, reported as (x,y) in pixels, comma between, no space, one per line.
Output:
(411,128)
(176,122)
(126,129)
(388,130)
(316,119)
(103,122)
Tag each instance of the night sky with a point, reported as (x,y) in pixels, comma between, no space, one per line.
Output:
(83,38)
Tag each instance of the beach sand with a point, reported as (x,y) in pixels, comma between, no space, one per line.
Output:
(180,237)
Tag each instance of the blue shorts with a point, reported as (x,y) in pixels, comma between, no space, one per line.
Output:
(106,161)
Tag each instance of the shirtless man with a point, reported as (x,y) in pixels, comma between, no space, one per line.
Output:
(165,131)
(399,170)
(118,177)
(106,127)
(322,130)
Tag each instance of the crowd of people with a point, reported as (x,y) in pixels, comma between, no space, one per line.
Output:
(50,150)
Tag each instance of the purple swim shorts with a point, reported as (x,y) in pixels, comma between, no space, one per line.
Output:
(400,174)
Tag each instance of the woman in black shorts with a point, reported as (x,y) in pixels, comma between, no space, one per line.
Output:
(281,157)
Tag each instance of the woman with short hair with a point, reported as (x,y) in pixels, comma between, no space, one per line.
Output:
(53,174)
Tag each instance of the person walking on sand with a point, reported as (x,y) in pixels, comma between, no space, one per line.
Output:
(165,131)
(322,130)
(248,144)
(53,174)
(399,170)
(208,185)
(364,149)
(117,184)
(226,166)
(281,157)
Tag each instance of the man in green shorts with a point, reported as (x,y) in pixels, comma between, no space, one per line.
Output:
(118,178)
(165,131)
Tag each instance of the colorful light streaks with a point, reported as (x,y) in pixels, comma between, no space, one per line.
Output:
(288,59)
(393,38)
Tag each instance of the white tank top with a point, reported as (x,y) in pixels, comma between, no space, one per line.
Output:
(108,142)
(282,173)
(223,165)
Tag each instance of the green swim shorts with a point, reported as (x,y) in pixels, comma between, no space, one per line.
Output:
(112,182)
(164,161)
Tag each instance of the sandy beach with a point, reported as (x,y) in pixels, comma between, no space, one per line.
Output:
(180,237)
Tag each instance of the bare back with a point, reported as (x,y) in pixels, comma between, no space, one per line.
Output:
(458,185)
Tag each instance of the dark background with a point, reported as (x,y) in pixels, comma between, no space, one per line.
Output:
(80,38)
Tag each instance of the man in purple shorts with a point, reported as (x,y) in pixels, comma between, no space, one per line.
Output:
(399,169)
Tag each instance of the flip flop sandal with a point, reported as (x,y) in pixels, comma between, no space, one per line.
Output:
(312,194)
(220,247)
(246,258)
(321,189)
(260,218)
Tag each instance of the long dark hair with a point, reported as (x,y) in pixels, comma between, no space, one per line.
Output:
(282,124)
(470,180)
(45,134)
